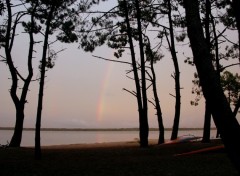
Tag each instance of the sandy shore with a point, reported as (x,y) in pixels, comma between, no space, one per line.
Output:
(118,159)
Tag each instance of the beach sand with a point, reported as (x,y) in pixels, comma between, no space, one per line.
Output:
(118,159)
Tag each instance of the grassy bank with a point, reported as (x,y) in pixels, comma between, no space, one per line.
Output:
(117,159)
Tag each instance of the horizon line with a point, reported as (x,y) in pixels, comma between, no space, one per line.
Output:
(103,129)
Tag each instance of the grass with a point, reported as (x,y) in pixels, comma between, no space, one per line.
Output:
(117,159)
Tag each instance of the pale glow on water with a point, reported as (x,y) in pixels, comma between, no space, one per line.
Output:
(80,137)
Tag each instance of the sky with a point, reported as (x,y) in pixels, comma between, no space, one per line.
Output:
(82,91)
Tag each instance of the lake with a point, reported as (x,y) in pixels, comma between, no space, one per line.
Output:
(80,137)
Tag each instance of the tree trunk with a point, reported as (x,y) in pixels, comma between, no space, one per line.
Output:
(223,117)
(38,153)
(161,138)
(207,124)
(207,118)
(144,128)
(136,79)
(17,135)
(176,75)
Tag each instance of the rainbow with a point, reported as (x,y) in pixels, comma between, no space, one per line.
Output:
(101,105)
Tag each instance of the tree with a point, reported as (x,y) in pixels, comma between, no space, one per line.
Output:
(176,76)
(119,33)
(214,38)
(161,9)
(223,117)
(153,57)
(231,87)
(8,36)
(52,16)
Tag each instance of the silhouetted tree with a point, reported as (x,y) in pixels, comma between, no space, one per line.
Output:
(153,57)
(231,87)
(223,117)
(162,8)
(214,38)
(8,36)
(176,75)
(51,16)
(126,30)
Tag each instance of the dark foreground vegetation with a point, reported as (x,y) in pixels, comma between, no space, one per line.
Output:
(118,159)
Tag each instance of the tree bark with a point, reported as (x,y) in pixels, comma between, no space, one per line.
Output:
(223,117)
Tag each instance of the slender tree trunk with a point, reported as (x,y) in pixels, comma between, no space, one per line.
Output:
(218,66)
(207,118)
(207,124)
(136,78)
(144,128)
(176,75)
(38,152)
(223,117)
(161,138)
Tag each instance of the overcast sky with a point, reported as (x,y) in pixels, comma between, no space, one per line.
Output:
(85,92)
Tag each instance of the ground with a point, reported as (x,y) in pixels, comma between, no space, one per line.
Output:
(118,159)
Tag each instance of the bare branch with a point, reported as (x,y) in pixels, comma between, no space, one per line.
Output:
(149,86)
(131,92)
(129,77)
(223,68)
(122,62)
(152,103)
(20,76)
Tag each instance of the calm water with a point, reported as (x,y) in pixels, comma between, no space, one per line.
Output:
(77,137)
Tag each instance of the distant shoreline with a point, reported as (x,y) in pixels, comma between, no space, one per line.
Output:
(100,129)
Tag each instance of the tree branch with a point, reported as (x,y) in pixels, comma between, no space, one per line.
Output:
(131,92)
(122,62)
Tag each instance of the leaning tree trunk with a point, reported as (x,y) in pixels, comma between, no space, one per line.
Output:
(161,138)
(223,117)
